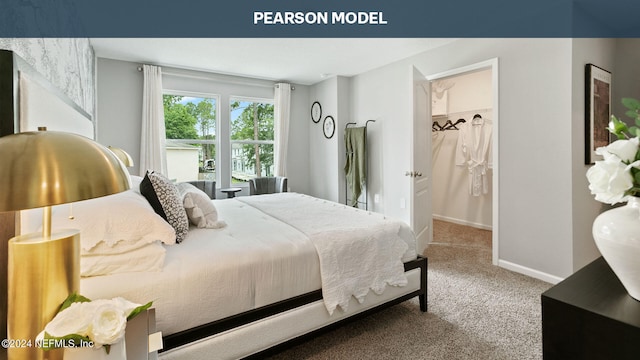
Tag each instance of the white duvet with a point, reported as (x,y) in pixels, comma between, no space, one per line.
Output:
(255,261)
(358,250)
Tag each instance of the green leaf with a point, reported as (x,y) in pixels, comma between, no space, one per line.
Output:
(138,310)
(632,114)
(617,127)
(634,191)
(107,348)
(73,298)
(631,103)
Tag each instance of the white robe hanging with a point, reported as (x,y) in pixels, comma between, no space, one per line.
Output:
(474,152)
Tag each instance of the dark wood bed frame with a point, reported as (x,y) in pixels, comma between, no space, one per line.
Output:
(203,331)
(10,64)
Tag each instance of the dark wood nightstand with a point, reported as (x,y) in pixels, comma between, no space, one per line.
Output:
(590,315)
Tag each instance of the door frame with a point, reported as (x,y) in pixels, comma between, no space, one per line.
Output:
(495,219)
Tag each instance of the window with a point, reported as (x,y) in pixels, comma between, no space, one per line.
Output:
(190,124)
(251,139)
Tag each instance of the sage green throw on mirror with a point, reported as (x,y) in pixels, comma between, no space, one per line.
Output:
(355,139)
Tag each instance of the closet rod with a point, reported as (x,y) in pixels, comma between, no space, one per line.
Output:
(468,112)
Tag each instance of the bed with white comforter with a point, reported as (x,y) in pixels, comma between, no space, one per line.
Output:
(259,259)
(289,262)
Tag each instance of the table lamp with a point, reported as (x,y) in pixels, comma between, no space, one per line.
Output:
(124,156)
(42,169)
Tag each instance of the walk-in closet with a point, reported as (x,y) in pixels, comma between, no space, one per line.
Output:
(462,136)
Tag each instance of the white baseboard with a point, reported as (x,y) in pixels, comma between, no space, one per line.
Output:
(552,279)
(462,222)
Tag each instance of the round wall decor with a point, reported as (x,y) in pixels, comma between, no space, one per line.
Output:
(329,127)
(316,112)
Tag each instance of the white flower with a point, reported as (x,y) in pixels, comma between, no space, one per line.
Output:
(73,320)
(625,150)
(108,323)
(126,305)
(610,179)
(102,321)
(617,177)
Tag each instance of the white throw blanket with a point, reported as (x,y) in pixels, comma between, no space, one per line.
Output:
(358,250)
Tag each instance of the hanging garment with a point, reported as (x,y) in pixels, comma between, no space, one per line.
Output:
(474,151)
(355,168)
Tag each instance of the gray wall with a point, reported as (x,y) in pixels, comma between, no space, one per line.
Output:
(328,155)
(119,115)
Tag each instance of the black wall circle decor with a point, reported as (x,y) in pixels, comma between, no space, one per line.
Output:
(329,127)
(316,112)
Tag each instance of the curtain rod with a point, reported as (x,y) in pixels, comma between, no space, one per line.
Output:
(139,68)
(467,111)
(292,87)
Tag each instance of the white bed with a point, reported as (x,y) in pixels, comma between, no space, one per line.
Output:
(256,260)
(258,283)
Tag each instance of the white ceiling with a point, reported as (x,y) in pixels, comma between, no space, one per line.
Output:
(302,61)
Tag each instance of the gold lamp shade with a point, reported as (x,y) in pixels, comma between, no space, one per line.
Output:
(124,156)
(41,169)
(44,168)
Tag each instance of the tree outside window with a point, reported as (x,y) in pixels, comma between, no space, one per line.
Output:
(251,139)
(190,124)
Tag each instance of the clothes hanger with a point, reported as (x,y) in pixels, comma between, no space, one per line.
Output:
(448,125)
(477,120)
(460,121)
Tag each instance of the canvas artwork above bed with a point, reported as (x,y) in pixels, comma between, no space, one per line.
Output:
(234,277)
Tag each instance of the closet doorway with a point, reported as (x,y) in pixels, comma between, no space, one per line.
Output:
(464,104)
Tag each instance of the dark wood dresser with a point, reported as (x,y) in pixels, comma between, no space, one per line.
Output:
(590,315)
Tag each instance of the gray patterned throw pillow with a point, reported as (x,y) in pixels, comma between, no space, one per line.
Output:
(165,199)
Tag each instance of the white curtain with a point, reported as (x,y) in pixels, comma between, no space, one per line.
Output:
(152,140)
(282,111)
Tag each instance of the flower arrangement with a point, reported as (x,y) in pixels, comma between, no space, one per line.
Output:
(82,322)
(617,177)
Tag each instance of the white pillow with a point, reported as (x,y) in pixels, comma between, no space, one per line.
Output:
(149,258)
(199,207)
(135,183)
(113,224)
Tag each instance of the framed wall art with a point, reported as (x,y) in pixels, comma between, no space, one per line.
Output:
(329,127)
(597,110)
(316,112)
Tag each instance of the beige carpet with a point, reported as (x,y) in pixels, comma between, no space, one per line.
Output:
(476,311)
